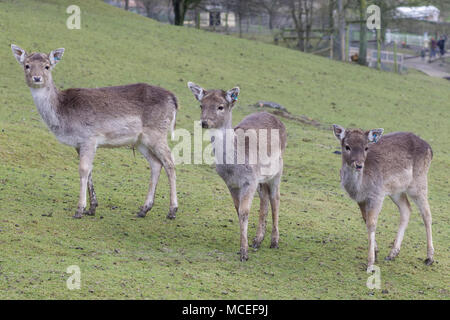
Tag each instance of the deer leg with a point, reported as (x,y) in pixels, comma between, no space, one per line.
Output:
(274,196)
(263,191)
(235,193)
(155,166)
(87,153)
(362,206)
(245,204)
(93,203)
(373,209)
(92,197)
(169,167)
(157,144)
(404,207)
(421,201)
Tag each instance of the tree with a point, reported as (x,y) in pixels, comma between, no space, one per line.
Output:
(341,15)
(362,57)
(148,5)
(242,9)
(302,14)
(180,7)
(271,7)
(127,4)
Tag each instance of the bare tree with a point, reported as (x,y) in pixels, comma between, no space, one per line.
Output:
(148,5)
(180,7)
(271,7)
(342,24)
(242,9)
(362,57)
(302,14)
(127,4)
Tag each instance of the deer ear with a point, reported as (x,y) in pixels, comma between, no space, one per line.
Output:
(18,53)
(375,134)
(198,91)
(55,56)
(339,132)
(232,94)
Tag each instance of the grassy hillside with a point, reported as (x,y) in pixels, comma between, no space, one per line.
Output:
(323,242)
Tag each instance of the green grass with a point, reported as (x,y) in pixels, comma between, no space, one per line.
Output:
(323,242)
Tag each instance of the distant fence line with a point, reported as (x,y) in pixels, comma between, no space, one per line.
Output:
(393,59)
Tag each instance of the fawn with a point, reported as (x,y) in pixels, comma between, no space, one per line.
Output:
(395,165)
(86,119)
(244,170)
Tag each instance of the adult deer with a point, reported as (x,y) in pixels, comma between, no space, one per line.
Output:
(85,118)
(242,165)
(374,166)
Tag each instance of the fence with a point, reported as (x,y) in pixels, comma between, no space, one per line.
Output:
(408,39)
(389,60)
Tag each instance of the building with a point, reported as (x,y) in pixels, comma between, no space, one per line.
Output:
(428,13)
(212,15)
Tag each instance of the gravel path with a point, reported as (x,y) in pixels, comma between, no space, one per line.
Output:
(433,69)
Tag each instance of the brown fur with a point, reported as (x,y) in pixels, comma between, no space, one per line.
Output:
(87,118)
(243,180)
(396,165)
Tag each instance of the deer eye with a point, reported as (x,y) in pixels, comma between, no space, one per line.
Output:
(366,148)
(47,67)
(347,148)
(220,108)
(27,66)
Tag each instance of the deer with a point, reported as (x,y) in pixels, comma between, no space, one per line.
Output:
(139,115)
(375,166)
(244,173)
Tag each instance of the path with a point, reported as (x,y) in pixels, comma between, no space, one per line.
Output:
(432,69)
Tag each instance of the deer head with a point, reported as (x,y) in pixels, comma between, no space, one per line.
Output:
(37,66)
(355,144)
(216,105)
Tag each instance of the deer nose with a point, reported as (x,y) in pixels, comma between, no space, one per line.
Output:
(37,79)
(204,124)
(359,165)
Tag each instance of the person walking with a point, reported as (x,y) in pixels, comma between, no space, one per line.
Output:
(441,45)
(433,46)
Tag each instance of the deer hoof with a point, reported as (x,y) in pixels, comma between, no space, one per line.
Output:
(141,215)
(429,261)
(172,213)
(274,245)
(370,269)
(90,212)
(389,258)
(77,215)
(256,244)
(143,211)
(244,256)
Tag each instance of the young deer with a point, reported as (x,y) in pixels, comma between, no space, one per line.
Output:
(395,165)
(243,171)
(135,114)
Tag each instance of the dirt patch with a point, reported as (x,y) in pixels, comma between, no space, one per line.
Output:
(301,119)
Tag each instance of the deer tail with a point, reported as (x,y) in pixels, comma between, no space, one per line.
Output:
(174,118)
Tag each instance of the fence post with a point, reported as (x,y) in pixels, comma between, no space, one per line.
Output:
(226,22)
(347,43)
(198,20)
(395,57)
(331,46)
(378,49)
